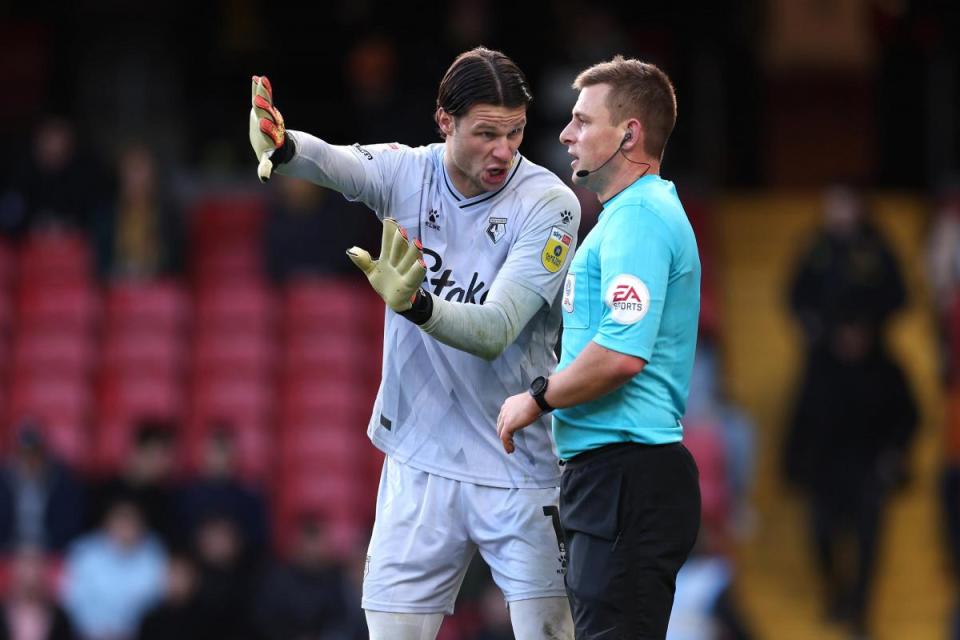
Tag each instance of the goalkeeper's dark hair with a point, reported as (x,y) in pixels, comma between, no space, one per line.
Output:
(482,76)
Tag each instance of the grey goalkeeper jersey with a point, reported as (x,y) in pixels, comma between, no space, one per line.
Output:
(436,409)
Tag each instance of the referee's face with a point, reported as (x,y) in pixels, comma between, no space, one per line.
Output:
(590,136)
(481,146)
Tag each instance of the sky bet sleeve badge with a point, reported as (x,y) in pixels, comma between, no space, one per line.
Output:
(558,244)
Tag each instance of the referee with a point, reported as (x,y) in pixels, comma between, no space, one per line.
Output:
(629,498)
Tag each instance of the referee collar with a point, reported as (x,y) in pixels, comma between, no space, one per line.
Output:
(631,189)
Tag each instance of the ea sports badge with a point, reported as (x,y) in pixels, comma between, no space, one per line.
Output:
(627,298)
(555,252)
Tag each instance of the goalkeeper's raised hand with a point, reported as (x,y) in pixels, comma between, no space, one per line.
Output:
(267,131)
(398,273)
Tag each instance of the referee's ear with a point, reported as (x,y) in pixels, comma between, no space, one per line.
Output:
(634,135)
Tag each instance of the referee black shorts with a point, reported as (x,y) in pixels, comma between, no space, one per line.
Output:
(630,516)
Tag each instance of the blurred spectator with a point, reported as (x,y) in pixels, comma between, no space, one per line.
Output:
(30,610)
(943,267)
(298,237)
(378,109)
(713,416)
(847,449)
(849,268)
(41,501)
(178,615)
(943,260)
(308,598)
(55,185)
(705,607)
(854,414)
(140,234)
(113,576)
(721,439)
(226,586)
(219,490)
(146,478)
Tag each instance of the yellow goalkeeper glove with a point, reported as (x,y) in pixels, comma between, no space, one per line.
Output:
(267,131)
(397,275)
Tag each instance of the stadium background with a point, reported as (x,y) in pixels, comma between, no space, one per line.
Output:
(261,325)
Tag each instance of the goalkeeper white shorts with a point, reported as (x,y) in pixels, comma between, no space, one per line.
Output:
(429,527)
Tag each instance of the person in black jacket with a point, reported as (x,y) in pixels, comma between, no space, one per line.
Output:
(179,614)
(307,598)
(41,500)
(854,415)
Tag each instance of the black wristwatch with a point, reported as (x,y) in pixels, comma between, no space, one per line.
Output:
(538,389)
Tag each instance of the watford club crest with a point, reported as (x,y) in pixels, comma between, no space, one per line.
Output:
(555,252)
(496,229)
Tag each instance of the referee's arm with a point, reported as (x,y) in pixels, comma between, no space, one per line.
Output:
(595,372)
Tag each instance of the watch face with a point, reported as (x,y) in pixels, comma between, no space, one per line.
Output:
(538,385)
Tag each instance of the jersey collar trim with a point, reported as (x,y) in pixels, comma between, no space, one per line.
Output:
(462,202)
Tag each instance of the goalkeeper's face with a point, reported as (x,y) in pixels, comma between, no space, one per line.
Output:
(481,146)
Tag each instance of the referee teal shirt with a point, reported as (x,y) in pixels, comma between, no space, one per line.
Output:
(633,287)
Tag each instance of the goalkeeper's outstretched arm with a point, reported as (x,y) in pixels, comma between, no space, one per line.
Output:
(483,330)
(298,154)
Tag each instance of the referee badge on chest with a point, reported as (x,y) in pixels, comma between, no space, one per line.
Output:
(496,229)
(569,286)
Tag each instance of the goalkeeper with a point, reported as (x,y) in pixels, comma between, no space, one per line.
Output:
(476,243)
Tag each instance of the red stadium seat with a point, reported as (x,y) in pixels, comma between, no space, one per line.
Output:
(333,494)
(335,401)
(233,396)
(138,394)
(228,266)
(148,351)
(8,264)
(161,306)
(328,354)
(74,307)
(234,351)
(313,445)
(124,399)
(246,305)
(62,407)
(7,313)
(55,258)
(338,305)
(65,352)
(226,220)
(42,395)
(226,238)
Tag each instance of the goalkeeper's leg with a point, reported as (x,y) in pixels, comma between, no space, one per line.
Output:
(541,619)
(403,626)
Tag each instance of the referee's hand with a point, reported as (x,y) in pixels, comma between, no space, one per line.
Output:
(517,412)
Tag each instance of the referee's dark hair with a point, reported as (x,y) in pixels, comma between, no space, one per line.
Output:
(482,76)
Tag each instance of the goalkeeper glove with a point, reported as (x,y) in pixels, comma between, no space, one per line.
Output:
(399,272)
(267,131)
